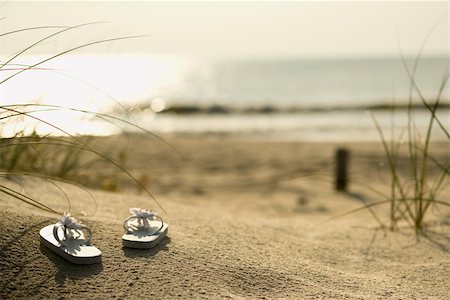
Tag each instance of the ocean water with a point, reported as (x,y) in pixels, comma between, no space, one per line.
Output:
(303,83)
(311,100)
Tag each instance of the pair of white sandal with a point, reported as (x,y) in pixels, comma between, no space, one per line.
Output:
(70,239)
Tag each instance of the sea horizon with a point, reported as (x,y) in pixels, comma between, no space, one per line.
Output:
(272,97)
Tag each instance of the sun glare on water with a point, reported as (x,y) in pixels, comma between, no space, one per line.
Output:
(85,82)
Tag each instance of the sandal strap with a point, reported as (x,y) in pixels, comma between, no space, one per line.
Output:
(128,228)
(66,231)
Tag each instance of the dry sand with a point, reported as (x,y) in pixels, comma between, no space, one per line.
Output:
(248,219)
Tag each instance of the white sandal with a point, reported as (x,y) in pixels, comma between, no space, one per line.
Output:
(74,246)
(144,229)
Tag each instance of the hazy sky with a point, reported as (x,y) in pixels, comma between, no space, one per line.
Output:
(255,29)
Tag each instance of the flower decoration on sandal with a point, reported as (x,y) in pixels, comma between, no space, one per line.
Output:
(143,218)
(72,229)
(71,240)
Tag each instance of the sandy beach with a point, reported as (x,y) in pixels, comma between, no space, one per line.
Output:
(226,118)
(248,219)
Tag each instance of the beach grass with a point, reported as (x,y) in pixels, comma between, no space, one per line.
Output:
(54,158)
(414,193)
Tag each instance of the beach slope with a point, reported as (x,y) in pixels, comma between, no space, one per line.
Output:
(229,242)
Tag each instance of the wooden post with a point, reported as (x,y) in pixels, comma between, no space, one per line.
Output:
(342,156)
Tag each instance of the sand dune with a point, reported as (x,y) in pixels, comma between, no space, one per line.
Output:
(231,234)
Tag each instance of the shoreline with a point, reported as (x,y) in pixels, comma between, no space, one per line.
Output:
(271,109)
